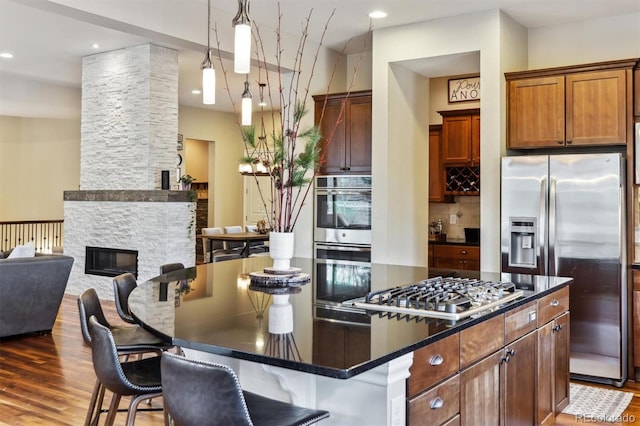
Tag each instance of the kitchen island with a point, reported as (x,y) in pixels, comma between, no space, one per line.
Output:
(355,363)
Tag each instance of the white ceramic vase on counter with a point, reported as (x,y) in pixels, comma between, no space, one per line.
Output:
(281,249)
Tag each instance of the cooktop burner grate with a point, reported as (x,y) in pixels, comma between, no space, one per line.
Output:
(448,298)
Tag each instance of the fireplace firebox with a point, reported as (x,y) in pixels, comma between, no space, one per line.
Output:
(110,262)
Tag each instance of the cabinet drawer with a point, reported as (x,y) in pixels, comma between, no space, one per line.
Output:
(520,321)
(552,305)
(436,406)
(458,252)
(433,363)
(480,340)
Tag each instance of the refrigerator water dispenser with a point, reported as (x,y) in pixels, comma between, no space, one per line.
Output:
(522,245)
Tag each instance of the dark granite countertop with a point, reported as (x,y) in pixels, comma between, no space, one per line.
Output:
(635,266)
(455,241)
(221,315)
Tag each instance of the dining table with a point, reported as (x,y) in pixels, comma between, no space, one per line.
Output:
(244,237)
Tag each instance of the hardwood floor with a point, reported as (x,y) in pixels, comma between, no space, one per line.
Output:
(47,380)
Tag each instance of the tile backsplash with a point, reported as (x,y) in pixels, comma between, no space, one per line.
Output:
(466,209)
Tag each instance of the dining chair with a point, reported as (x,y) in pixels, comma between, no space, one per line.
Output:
(129,340)
(200,393)
(219,252)
(234,246)
(169,267)
(123,285)
(139,379)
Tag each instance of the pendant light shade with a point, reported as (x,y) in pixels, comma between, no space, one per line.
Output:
(246,104)
(208,81)
(208,72)
(242,40)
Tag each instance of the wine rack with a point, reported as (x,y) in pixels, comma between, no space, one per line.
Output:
(462,181)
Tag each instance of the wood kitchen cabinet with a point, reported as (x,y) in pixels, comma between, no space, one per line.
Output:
(571,106)
(507,370)
(345,148)
(456,257)
(636,321)
(553,356)
(436,169)
(461,137)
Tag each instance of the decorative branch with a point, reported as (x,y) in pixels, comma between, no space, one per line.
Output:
(288,164)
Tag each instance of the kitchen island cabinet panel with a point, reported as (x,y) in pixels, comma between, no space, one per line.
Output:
(437,405)
(519,366)
(561,352)
(481,339)
(433,363)
(520,321)
(480,392)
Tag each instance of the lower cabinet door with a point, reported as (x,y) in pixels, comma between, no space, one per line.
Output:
(520,381)
(562,353)
(544,381)
(436,406)
(480,391)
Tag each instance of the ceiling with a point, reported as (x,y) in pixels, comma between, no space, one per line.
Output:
(49,38)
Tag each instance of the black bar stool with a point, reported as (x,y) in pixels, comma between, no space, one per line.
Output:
(139,379)
(199,393)
(129,339)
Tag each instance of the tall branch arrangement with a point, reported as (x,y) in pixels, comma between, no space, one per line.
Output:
(290,154)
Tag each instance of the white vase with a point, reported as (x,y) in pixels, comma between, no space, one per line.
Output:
(281,249)
(280,315)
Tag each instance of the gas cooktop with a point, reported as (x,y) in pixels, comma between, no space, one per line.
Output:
(447,298)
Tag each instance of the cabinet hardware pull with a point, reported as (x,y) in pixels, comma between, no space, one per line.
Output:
(511,352)
(505,359)
(569,142)
(436,360)
(436,402)
(557,328)
(559,142)
(555,303)
(463,252)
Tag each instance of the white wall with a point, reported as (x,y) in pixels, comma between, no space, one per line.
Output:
(396,243)
(225,152)
(597,40)
(39,160)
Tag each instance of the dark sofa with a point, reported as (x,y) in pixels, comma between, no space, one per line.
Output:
(31,290)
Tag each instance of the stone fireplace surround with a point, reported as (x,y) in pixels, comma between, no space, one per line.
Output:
(129,127)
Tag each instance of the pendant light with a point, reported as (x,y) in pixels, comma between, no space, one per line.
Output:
(262,102)
(242,40)
(208,72)
(246,104)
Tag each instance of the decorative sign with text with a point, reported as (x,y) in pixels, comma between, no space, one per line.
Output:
(464,89)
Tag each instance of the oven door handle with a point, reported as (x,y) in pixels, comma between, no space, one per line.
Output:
(343,192)
(342,247)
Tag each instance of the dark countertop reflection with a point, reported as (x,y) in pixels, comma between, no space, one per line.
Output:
(211,308)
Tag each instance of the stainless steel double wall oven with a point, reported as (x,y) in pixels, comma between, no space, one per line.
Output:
(342,218)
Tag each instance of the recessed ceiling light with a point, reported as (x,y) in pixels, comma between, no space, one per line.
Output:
(95,46)
(196,91)
(378,14)
(6,55)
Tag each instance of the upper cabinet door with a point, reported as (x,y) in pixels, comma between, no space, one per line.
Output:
(456,139)
(536,113)
(596,108)
(475,139)
(358,149)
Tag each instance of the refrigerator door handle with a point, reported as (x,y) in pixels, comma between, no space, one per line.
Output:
(542,231)
(552,227)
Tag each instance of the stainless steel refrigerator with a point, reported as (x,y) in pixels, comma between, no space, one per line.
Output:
(564,215)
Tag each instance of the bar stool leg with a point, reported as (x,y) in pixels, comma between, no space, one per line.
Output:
(95,405)
(113,409)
